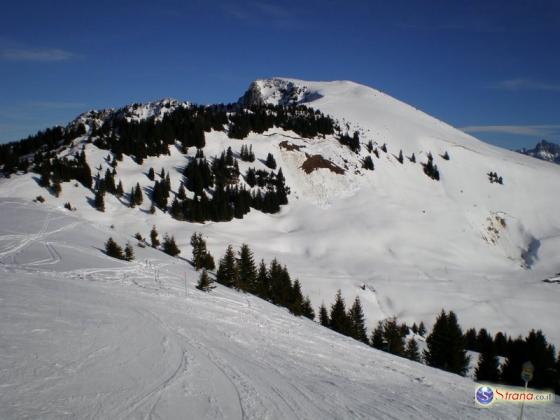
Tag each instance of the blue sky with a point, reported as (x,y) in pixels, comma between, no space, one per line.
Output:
(489,66)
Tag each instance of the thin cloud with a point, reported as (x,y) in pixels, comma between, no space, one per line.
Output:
(545,130)
(527,84)
(37,55)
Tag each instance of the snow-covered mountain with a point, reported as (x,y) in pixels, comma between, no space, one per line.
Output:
(544,150)
(417,244)
(407,244)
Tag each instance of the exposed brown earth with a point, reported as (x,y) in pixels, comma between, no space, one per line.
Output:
(317,162)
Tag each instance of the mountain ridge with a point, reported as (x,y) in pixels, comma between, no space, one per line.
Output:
(389,228)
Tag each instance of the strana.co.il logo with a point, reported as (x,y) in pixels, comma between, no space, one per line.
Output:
(484,395)
(487,395)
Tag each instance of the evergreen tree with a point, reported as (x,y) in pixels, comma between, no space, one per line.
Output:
(112,249)
(128,252)
(120,189)
(181,194)
(198,250)
(377,337)
(263,282)
(151,174)
(446,155)
(357,322)
(138,199)
(324,319)
(270,161)
(422,329)
(413,158)
(400,158)
(487,369)
(99,200)
(295,304)
(500,343)
(368,163)
(414,328)
(204,282)
(169,246)
(132,202)
(393,337)
(154,237)
(247,269)
(228,274)
(470,340)
(339,321)
(411,351)
(307,309)
(446,345)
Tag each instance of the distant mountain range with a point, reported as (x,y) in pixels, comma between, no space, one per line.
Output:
(544,150)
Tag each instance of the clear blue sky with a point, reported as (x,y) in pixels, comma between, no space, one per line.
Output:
(489,65)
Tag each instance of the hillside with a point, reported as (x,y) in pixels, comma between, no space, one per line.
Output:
(407,244)
(87,336)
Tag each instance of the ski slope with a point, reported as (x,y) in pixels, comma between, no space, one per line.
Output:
(406,244)
(85,336)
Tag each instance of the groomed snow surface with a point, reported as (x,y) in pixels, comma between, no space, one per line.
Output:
(83,335)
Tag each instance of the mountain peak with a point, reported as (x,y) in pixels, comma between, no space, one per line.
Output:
(278,91)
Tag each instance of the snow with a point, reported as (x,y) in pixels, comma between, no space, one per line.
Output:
(85,336)
(416,245)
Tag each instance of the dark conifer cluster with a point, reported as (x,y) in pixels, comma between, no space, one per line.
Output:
(112,249)
(272,283)
(58,170)
(430,168)
(368,163)
(494,178)
(534,347)
(352,142)
(14,156)
(217,195)
(246,154)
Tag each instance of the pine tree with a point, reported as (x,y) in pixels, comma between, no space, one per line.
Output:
(138,195)
(263,282)
(247,269)
(270,161)
(154,237)
(411,351)
(413,158)
(421,329)
(414,328)
(295,305)
(151,174)
(446,345)
(227,269)
(393,337)
(99,200)
(204,282)
(128,252)
(112,249)
(132,202)
(368,163)
(169,246)
(400,158)
(338,319)
(198,250)
(487,369)
(470,340)
(357,322)
(324,319)
(307,309)
(120,189)
(181,194)
(377,337)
